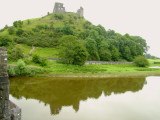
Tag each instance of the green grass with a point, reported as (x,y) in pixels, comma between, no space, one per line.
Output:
(26,49)
(151,62)
(46,52)
(59,68)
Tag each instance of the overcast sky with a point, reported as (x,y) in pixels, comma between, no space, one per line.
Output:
(136,17)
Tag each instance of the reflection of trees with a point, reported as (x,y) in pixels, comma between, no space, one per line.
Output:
(68,92)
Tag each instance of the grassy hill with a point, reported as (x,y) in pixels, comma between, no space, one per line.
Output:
(45,32)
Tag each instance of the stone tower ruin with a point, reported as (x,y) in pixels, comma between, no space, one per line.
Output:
(80,11)
(58,8)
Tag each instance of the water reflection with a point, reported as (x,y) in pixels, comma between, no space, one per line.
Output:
(59,92)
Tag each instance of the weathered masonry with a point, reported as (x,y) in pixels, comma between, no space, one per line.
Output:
(60,9)
(8,110)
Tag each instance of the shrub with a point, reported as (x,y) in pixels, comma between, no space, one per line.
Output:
(19,32)
(20,69)
(36,59)
(41,61)
(5,41)
(141,61)
(11,30)
(16,53)
(59,16)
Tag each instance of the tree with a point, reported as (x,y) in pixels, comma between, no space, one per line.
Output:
(141,61)
(104,52)
(5,41)
(72,51)
(127,54)
(91,46)
(115,53)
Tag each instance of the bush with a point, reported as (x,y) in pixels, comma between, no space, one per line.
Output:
(59,16)
(41,61)
(36,59)
(21,70)
(141,61)
(19,32)
(5,41)
(11,30)
(16,53)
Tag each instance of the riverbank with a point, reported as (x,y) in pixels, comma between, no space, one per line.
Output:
(56,69)
(100,75)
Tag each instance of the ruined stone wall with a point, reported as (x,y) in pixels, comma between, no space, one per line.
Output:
(4,86)
(80,12)
(106,62)
(58,8)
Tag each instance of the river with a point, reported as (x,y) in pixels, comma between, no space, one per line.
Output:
(128,98)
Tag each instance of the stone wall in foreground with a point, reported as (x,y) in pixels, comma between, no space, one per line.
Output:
(8,110)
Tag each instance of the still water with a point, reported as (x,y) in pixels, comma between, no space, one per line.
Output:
(135,98)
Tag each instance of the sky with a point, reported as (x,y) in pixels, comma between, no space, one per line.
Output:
(135,17)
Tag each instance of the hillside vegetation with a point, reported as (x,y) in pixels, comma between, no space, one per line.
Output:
(94,42)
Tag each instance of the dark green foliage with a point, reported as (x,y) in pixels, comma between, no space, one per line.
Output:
(59,16)
(18,23)
(15,54)
(91,46)
(80,55)
(115,53)
(38,60)
(19,32)
(127,54)
(141,61)
(72,51)
(11,30)
(5,41)
(67,30)
(87,25)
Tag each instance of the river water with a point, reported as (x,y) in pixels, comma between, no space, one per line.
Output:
(132,98)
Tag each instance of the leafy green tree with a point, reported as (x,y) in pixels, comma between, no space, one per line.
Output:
(18,23)
(91,46)
(71,50)
(115,53)
(5,41)
(127,54)
(104,52)
(141,61)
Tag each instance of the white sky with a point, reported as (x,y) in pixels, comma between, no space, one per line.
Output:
(136,17)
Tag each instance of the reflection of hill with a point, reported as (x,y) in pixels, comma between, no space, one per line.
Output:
(59,92)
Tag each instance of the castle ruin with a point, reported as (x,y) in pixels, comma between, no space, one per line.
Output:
(8,110)
(80,12)
(60,9)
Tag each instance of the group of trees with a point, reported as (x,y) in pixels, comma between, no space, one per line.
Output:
(77,46)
